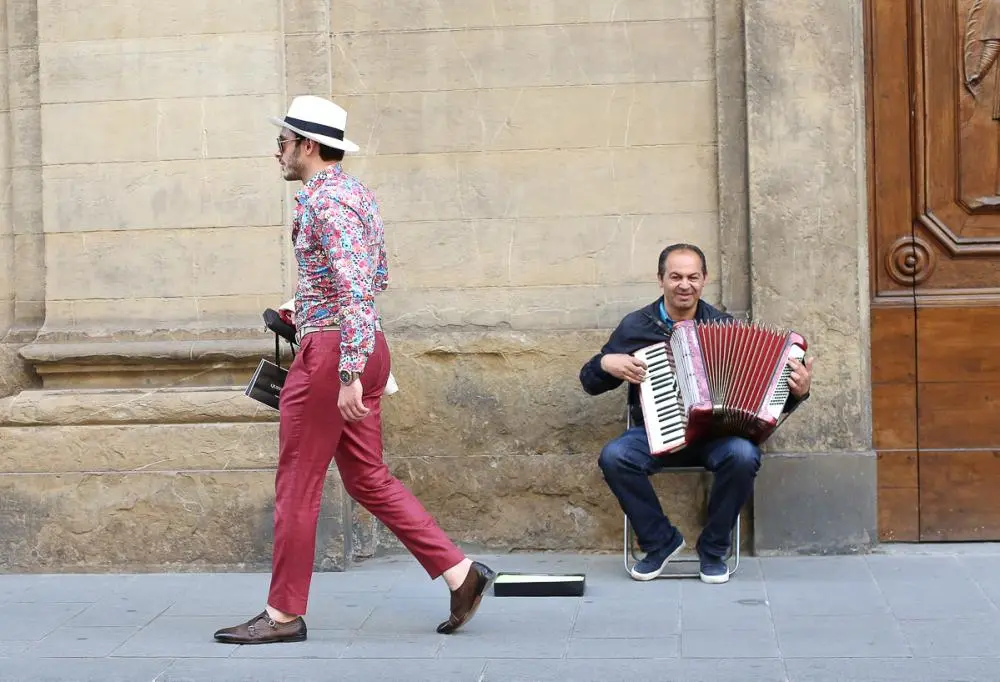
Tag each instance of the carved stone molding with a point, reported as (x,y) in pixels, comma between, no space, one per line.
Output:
(147,364)
(910,260)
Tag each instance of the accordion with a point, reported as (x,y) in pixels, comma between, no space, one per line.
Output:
(711,379)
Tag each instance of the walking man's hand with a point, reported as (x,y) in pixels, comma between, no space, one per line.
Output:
(350,403)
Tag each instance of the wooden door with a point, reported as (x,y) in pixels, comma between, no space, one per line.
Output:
(934,136)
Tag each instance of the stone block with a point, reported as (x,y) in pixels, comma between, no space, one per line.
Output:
(224,127)
(173,129)
(214,408)
(26,138)
(64,21)
(151,521)
(163,194)
(536,502)
(237,311)
(22,77)
(307,16)
(4,75)
(151,68)
(7,280)
(308,64)
(22,23)
(69,448)
(446,254)
(29,315)
(559,55)
(606,250)
(496,394)
(642,180)
(397,15)
(561,307)
(26,200)
(816,503)
(29,267)
(6,228)
(177,263)
(517,308)
(533,118)
(473,308)
(101,317)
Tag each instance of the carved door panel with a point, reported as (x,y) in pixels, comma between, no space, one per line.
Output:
(934,96)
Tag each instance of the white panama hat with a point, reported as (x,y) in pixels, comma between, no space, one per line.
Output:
(319,120)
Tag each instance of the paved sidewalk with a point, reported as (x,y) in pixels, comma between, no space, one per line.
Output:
(912,615)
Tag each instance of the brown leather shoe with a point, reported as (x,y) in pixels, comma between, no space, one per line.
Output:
(465,600)
(263,630)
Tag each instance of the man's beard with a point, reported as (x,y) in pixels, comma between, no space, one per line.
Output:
(684,302)
(293,169)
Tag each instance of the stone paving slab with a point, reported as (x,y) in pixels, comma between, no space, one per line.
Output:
(913,614)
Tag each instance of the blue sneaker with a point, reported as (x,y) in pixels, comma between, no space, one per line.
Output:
(714,570)
(652,565)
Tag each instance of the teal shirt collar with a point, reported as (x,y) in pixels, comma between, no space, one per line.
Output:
(663,315)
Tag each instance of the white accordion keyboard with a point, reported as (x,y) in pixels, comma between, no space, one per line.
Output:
(662,409)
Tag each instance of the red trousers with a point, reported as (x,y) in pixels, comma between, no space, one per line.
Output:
(311,433)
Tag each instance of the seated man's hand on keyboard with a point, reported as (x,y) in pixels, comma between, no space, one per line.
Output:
(624,366)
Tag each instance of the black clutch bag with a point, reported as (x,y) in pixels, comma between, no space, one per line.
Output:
(273,321)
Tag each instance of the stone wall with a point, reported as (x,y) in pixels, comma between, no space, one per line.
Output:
(531,159)
(148,226)
(161,208)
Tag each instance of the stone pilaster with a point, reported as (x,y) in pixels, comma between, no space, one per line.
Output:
(808,252)
(22,273)
(730,95)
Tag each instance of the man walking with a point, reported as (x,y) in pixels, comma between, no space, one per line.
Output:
(331,400)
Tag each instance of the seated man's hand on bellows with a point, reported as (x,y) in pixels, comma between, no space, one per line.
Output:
(801,377)
(624,366)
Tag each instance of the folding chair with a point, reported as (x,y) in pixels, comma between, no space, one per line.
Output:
(689,568)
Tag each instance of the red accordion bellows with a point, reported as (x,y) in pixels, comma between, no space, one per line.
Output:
(717,378)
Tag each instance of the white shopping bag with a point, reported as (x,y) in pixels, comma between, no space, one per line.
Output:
(391,386)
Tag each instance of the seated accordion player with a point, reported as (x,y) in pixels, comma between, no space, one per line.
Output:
(711,379)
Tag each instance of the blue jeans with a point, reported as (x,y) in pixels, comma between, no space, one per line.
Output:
(627,465)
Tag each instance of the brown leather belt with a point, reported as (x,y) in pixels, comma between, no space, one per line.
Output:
(329,328)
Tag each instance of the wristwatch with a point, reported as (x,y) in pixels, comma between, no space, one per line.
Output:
(347,378)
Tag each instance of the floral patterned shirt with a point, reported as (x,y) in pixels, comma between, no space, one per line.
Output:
(339,244)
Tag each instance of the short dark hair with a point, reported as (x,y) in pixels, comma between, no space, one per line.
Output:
(330,154)
(325,153)
(661,268)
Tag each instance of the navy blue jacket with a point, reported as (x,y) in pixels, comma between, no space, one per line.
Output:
(637,330)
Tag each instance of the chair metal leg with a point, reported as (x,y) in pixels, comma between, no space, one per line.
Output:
(629,549)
